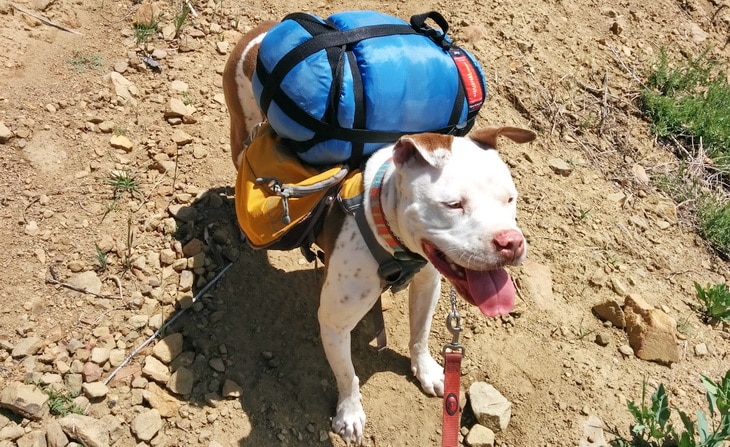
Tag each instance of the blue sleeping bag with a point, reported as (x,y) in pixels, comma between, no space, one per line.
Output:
(339,89)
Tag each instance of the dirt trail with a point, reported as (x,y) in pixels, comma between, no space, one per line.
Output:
(600,230)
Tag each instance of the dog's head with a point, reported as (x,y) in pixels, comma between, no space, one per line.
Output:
(459,211)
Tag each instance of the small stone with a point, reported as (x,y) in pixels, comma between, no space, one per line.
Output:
(626,350)
(87,430)
(138,321)
(640,174)
(121,142)
(222,47)
(490,407)
(26,346)
(193,247)
(99,355)
(181,382)
(146,424)
(31,228)
(639,222)
(602,339)
(181,138)
(178,86)
(121,67)
(480,436)
(88,281)
(618,286)
(91,372)
(11,433)
(217,364)
(161,401)
(124,89)
(537,281)
(231,389)
(611,311)
(168,348)
(5,133)
(55,437)
(560,166)
(176,109)
(187,278)
(26,400)
(651,332)
(701,350)
(95,390)
(155,369)
(183,212)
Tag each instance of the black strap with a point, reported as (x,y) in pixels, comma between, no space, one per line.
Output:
(359,119)
(418,22)
(396,273)
(272,81)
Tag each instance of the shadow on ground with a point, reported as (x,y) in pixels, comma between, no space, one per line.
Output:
(261,321)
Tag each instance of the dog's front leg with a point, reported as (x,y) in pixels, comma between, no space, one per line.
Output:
(350,289)
(423,293)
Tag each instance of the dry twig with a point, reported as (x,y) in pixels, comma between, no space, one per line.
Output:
(167,323)
(46,21)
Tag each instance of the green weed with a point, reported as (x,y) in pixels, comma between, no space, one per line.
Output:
(653,428)
(715,301)
(82,62)
(689,104)
(101,259)
(181,18)
(143,32)
(61,403)
(121,182)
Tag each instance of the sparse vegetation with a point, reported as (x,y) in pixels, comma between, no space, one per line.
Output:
(82,62)
(101,259)
(181,18)
(61,403)
(654,428)
(143,32)
(689,105)
(715,301)
(123,181)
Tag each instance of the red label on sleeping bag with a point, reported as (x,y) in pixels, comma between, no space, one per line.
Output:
(470,78)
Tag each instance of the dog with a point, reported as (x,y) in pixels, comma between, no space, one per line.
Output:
(449,199)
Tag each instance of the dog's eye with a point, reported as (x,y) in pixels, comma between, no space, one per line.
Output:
(511,200)
(456,205)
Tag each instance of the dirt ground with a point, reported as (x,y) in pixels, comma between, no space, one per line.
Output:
(568,69)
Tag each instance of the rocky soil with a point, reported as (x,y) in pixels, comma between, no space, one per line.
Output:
(116,180)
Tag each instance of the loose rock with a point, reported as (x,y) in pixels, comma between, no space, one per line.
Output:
(560,166)
(5,133)
(611,311)
(146,424)
(85,429)
(168,348)
(88,281)
(652,333)
(26,400)
(181,382)
(95,390)
(27,346)
(490,407)
(480,436)
(155,369)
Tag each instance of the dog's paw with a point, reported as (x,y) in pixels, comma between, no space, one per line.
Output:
(349,421)
(430,374)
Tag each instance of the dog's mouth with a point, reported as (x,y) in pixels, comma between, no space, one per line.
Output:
(491,291)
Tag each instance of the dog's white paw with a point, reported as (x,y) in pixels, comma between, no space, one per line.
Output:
(349,421)
(430,374)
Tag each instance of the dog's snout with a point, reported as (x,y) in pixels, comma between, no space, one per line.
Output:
(510,244)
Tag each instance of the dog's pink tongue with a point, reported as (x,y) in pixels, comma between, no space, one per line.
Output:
(492,291)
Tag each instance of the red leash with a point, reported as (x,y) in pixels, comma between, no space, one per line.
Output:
(452,353)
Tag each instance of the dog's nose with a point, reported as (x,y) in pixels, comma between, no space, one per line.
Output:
(509,244)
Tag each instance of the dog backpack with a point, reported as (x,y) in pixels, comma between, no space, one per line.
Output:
(341,88)
(280,201)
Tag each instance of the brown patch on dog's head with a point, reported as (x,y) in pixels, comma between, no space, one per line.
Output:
(428,148)
(488,136)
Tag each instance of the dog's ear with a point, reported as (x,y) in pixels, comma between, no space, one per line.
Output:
(426,148)
(489,135)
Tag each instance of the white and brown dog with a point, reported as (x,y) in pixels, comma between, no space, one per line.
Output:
(449,199)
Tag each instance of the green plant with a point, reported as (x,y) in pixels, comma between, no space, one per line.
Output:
(690,102)
(714,224)
(101,259)
(122,181)
(715,300)
(82,62)
(143,32)
(119,131)
(187,98)
(181,18)
(61,403)
(653,427)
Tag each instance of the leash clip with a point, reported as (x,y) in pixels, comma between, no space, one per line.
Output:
(453,324)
